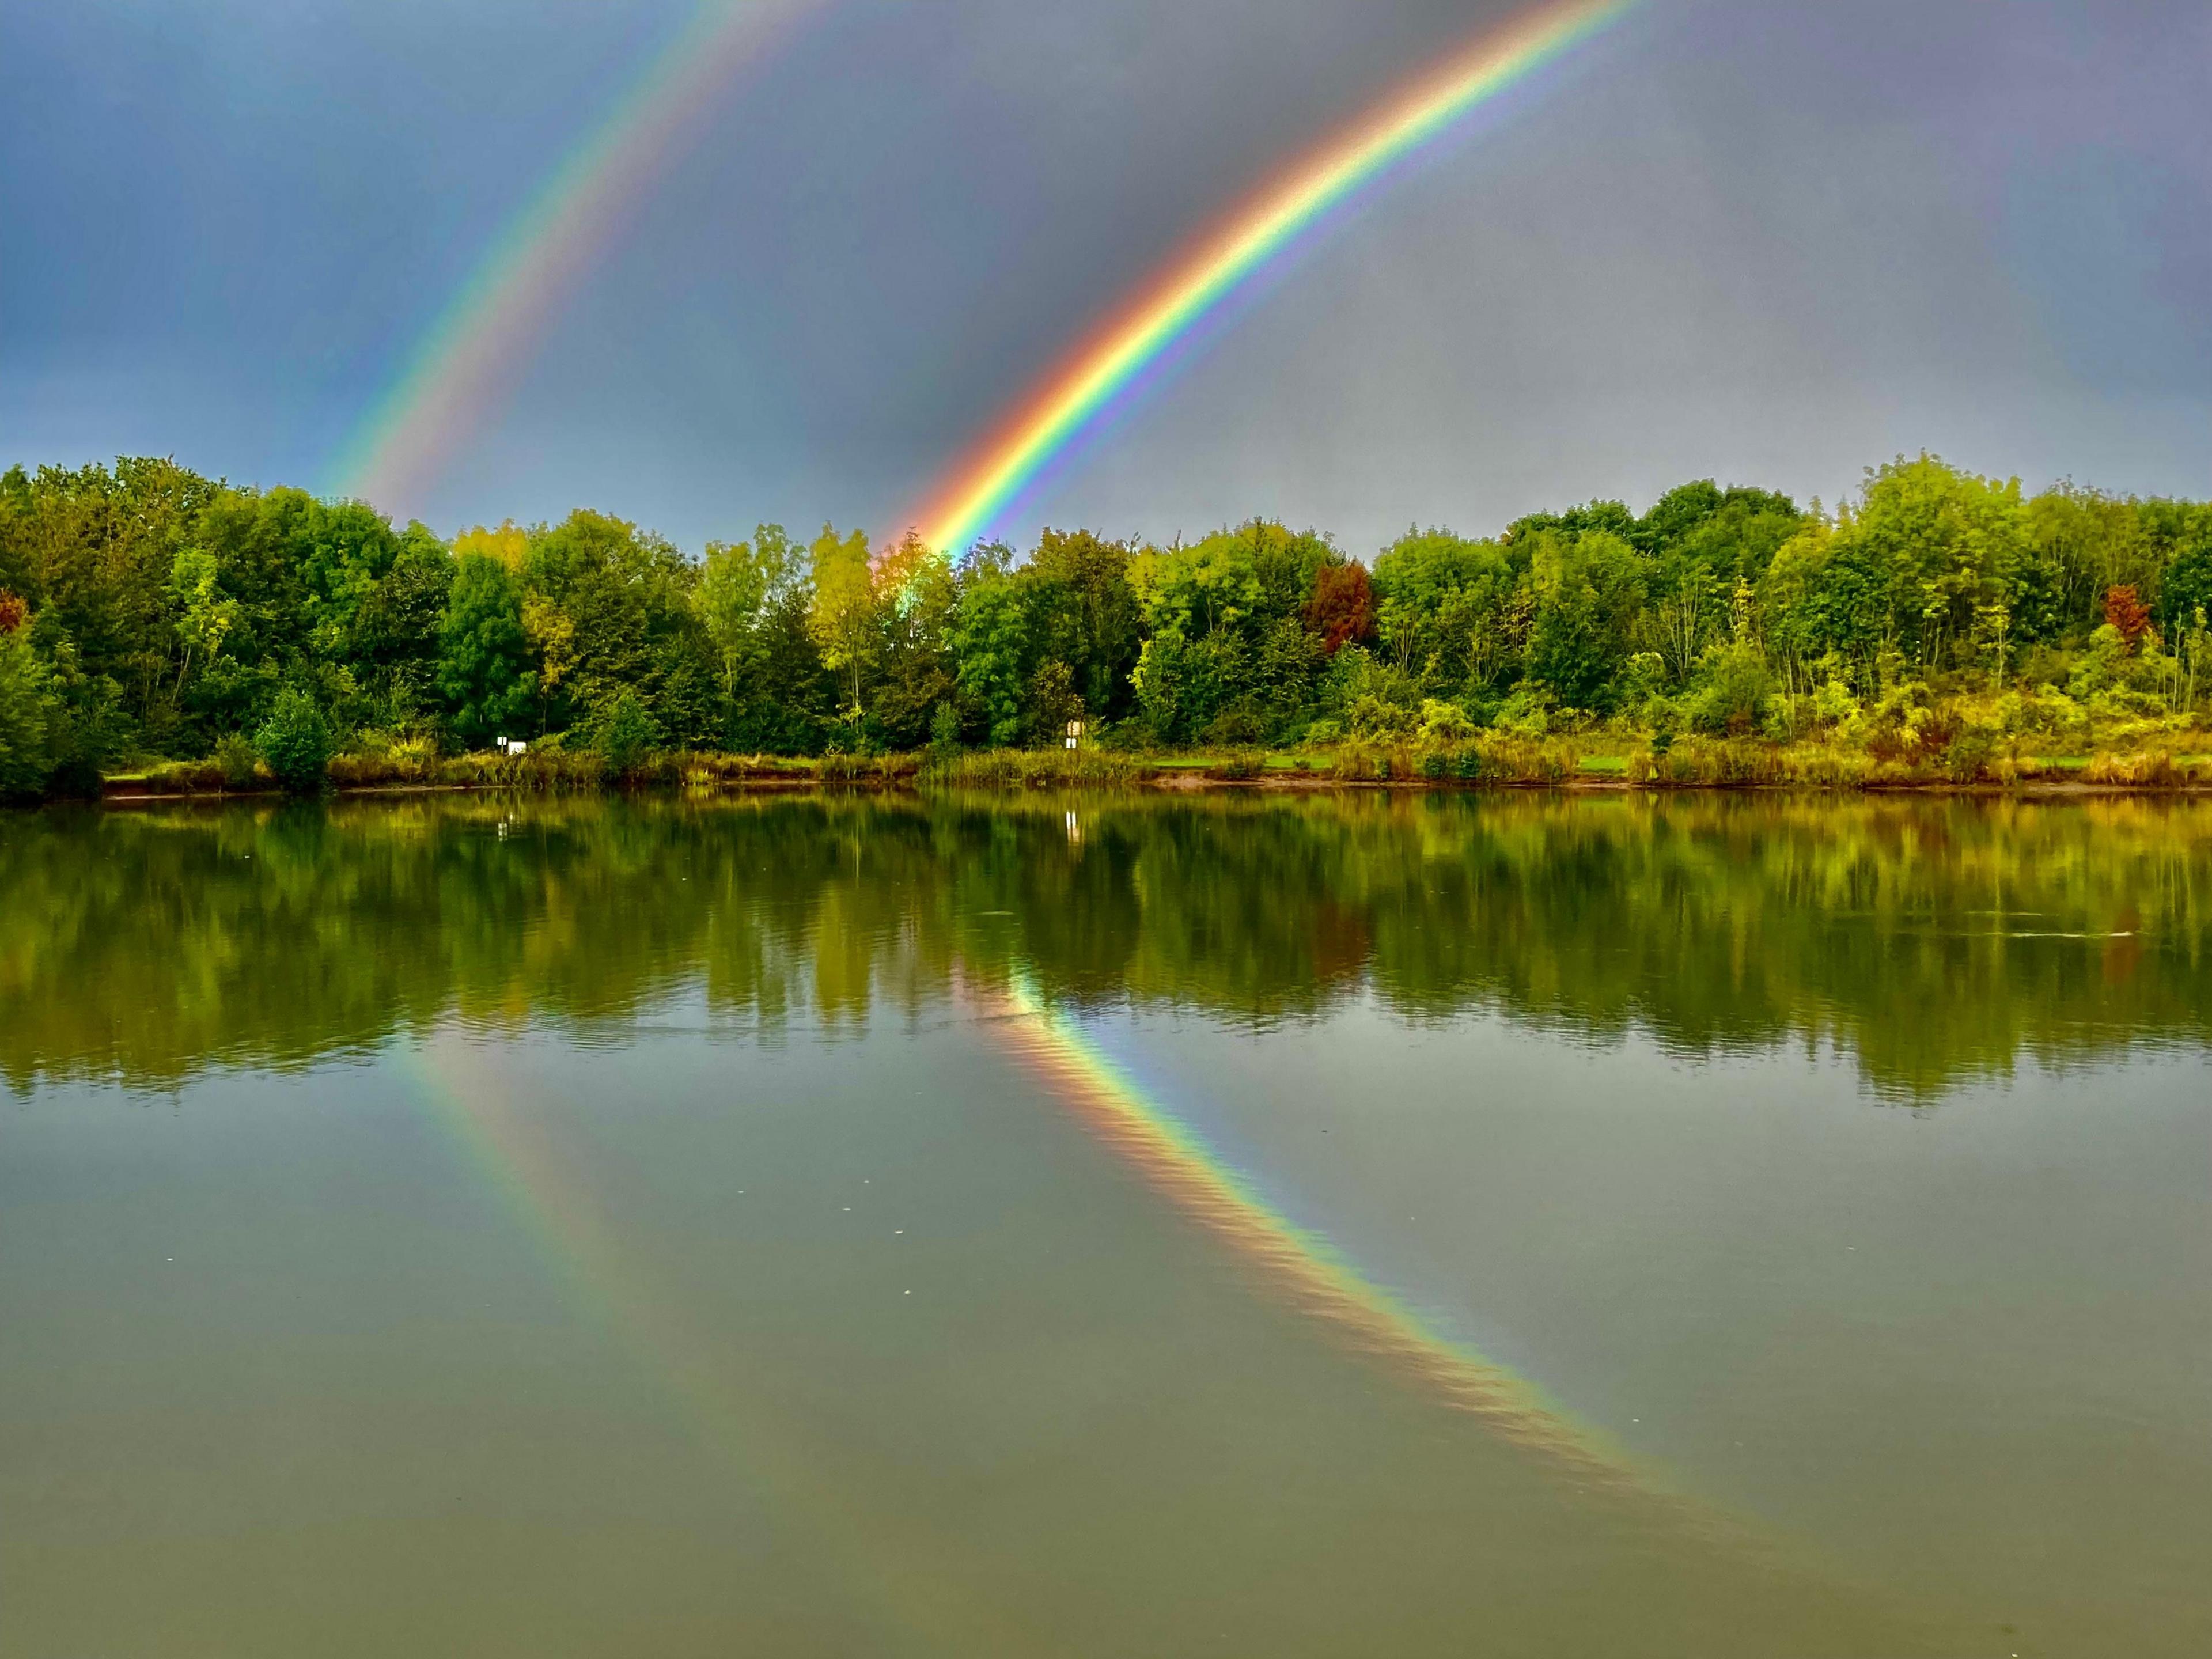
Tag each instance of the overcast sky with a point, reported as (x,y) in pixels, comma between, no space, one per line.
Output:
(1763,243)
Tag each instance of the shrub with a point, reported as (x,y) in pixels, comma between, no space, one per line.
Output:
(2099,667)
(1371,716)
(1444,722)
(234,758)
(626,734)
(1237,726)
(945,729)
(295,741)
(1833,703)
(1527,713)
(1734,688)
(1967,760)
(1643,680)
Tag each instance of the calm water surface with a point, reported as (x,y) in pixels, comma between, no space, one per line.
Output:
(1353,1226)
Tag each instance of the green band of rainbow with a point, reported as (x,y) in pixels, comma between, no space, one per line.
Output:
(1073,397)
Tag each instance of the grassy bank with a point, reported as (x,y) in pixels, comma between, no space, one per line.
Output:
(1485,759)
(547,771)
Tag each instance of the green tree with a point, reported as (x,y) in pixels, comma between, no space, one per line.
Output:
(1084,612)
(26,701)
(841,617)
(484,672)
(917,601)
(2185,585)
(1590,592)
(612,609)
(394,640)
(204,615)
(735,580)
(86,724)
(96,547)
(1445,609)
(753,598)
(2084,542)
(990,646)
(1701,541)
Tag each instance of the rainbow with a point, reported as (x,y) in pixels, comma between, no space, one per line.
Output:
(1182,1167)
(898,1569)
(1074,397)
(483,338)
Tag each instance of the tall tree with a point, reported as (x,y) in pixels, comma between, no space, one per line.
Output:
(483,670)
(841,617)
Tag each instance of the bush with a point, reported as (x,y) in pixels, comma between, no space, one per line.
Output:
(234,758)
(1444,722)
(1968,757)
(626,734)
(1527,713)
(945,729)
(2101,666)
(1734,688)
(1238,726)
(1371,717)
(1833,703)
(295,741)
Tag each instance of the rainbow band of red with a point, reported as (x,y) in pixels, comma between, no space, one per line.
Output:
(1074,397)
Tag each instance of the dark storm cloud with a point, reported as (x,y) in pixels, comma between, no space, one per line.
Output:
(1771,243)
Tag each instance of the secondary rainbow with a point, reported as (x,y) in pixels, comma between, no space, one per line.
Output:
(484,338)
(1184,1168)
(1074,397)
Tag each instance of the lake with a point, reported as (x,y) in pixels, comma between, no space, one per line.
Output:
(1350,1225)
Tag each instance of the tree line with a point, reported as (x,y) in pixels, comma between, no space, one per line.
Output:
(148,612)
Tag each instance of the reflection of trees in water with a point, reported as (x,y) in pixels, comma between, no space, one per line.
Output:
(1935,940)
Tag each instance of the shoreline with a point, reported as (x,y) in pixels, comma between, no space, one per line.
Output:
(1182,780)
